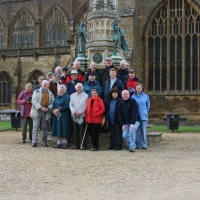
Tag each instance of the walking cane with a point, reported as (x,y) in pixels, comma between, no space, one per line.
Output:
(84,136)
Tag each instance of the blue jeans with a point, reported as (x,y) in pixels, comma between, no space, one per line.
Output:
(129,135)
(141,135)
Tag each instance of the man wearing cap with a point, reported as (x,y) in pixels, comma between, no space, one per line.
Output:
(80,74)
(131,82)
(105,73)
(72,83)
(112,82)
(92,84)
(93,69)
(65,76)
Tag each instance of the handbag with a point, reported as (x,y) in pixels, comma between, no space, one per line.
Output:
(78,120)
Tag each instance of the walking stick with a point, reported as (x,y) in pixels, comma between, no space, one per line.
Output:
(84,136)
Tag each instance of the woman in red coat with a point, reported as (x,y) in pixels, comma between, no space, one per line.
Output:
(94,114)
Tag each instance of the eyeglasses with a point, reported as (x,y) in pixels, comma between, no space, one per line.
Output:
(131,72)
(93,65)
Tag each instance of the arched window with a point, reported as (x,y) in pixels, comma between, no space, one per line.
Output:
(1,34)
(173,48)
(5,88)
(24,31)
(56,28)
(33,78)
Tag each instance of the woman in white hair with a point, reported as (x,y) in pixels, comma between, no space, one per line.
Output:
(61,118)
(24,100)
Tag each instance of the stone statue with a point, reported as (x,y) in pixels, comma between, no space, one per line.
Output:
(116,34)
(82,35)
(124,44)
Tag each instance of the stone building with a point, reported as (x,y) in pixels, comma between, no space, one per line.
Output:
(163,38)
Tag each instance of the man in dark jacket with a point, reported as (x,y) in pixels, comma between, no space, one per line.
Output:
(128,114)
(71,84)
(123,71)
(112,82)
(105,73)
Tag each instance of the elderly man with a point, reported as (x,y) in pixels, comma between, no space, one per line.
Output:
(111,83)
(105,73)
(78,105)
(76,67)
(123,71)
(74,80)
(128,114)
(42,104)
(93,69)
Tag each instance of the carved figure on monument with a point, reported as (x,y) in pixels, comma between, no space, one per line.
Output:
(116,34)
(82,35)
(124,44)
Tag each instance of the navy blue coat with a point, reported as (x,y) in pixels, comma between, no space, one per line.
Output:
(106,89)
(128,111)
(71,86)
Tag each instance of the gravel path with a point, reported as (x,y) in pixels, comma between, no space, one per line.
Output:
(169,170)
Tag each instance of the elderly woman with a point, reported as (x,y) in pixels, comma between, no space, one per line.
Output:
(61,118)
(24,100)
(94,114)
(78,105)
(92,84)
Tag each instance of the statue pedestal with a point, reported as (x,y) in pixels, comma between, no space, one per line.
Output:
(116,58)
(83,61)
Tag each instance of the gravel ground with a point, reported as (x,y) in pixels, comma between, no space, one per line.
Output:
(168,170)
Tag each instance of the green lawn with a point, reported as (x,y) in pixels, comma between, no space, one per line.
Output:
(181,129)
(6,126)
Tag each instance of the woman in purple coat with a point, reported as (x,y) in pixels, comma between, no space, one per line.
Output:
(24,100)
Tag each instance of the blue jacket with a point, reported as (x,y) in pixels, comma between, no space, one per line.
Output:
(92,85)
(143,103)
(128,112)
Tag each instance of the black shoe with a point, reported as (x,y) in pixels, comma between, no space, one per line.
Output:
(118,148)
(34,145)
(23,141)
(110,148)
(57,146)
(64,146)
(144,148)
(45,145)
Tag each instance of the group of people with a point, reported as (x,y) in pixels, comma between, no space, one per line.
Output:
(82,100)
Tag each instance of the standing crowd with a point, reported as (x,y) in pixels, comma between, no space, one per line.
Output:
(83,102)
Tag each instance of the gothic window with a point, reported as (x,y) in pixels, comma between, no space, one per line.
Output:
(5,88)
(56,28)
(173,48)
(33,78)
(24,31)
(1,35)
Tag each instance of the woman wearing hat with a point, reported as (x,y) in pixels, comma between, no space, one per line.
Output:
(92,84)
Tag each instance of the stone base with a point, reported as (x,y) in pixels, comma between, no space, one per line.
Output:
(153,137)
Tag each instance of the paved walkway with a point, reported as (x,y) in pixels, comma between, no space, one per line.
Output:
(167,171)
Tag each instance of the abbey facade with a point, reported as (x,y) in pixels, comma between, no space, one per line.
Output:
(163,39)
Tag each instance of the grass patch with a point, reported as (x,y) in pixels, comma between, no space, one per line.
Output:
(6,126)
(181,129)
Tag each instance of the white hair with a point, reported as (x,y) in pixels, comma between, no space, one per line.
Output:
(62,86)
(78,84)
(45,81)
(29,84)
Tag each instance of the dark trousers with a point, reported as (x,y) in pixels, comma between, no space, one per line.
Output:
(94,133)
(24,122)
(79,130)
(116,136)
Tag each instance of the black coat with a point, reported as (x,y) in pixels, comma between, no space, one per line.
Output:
(106,88)
(105,75)
(128,111)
